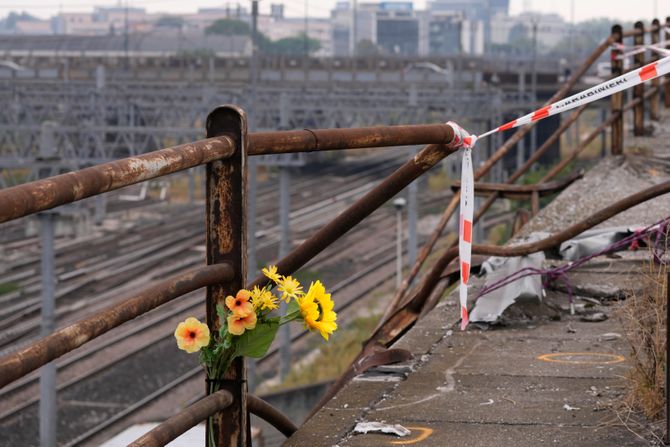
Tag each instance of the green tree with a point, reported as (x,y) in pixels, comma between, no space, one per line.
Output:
(366,47)
(294,45)
(170,22)
(228,27)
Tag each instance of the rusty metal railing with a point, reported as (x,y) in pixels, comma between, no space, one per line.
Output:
(224,152)
(405,308)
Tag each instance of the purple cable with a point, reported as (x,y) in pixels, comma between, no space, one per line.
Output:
(660,229)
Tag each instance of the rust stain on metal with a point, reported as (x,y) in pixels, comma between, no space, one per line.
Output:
(431,155)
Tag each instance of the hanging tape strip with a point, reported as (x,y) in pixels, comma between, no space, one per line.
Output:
(462,139)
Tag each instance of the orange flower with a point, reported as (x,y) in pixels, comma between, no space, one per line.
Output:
(238,324)
(191,335)
(240,305)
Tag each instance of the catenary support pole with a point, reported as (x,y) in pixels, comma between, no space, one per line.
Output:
(251,176)
(412,220)
(284,249)
(48,405)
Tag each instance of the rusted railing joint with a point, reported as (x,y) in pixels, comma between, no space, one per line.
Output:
(18,364)
(183,421)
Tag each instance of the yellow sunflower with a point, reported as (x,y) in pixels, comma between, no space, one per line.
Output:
(316,309)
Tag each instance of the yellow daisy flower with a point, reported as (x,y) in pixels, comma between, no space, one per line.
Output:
(191,335)
(289,288)
(271,273)
(263,299)
(317,311)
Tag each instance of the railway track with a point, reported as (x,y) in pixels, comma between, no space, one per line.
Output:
(18,411)
(14,419)
(89,273)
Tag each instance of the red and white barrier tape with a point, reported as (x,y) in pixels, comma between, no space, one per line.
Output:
(637,49)
(462,139)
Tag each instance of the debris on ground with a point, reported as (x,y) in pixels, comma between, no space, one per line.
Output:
(380,427)
(610,336)
(594,317)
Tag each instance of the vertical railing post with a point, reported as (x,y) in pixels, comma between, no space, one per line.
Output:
(617,98)
(666,94)
(227,242)
(638,90)
(656,83)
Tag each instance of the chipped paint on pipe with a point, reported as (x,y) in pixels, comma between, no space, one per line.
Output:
(51,347)
(29,198)
(188,418)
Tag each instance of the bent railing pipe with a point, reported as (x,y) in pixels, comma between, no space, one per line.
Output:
(271,415)
(46,349)
(181,422)
(362,208)
(433,277)
(192,415)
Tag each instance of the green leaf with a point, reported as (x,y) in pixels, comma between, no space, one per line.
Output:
(255,343)
(293,306)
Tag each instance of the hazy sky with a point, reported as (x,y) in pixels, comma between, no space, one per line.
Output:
(584,9)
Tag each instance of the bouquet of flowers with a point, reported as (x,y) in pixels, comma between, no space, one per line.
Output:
(248,324)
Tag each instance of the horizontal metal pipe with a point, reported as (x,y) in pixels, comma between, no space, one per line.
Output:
(520,191)
(18,364)
(309,140)
(362,208)
(634,32)
(29,198)
(188,418)
(271,415)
